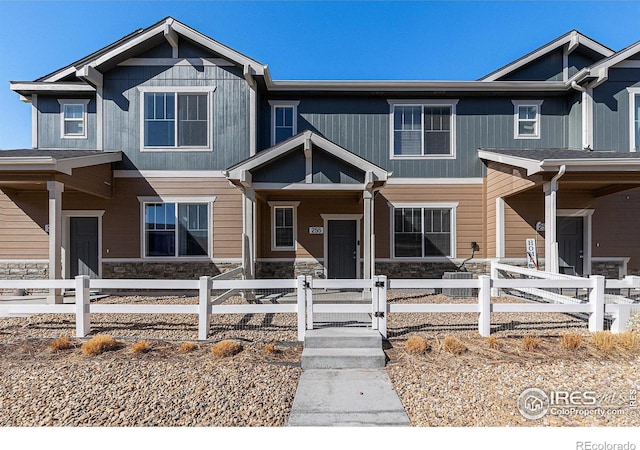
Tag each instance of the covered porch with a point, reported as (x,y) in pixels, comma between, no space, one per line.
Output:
(308,208)
(33,183)
(580,204)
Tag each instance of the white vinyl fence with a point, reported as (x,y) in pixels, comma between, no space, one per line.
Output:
(550,292)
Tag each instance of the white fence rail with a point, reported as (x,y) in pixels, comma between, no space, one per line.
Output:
(594,304)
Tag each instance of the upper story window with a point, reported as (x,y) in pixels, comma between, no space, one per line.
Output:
(527,119)
(424,230)
(73,114)
(634,119)
(175,118)
(423,129)
(284,120)
(283,236)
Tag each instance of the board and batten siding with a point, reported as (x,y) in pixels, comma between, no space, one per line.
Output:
(229,124)
(23,216)
(50,128)
(361,125)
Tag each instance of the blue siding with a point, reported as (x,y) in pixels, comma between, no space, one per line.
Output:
(329,169)
(578,61)
(290,168)
(230,130)
(611,110)
(545,68)
(575,121)
(49,126)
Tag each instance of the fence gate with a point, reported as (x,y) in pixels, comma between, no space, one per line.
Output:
(344,303)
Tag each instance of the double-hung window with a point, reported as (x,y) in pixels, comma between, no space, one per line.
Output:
(424,230)
(176,229)
(283,235)
(176,119)
(634,119)
(527,119)
(73,113)
(423,129)
(284,121)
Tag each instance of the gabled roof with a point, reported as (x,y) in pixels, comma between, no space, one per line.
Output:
(88,68)
(573,39)
(240,173)
(551,159)
(58,160)
(601,67)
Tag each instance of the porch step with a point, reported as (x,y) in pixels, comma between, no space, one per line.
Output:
(343,358)
(342,338)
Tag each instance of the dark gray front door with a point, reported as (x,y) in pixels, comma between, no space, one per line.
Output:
(341,260)
(83,243)
(570,243)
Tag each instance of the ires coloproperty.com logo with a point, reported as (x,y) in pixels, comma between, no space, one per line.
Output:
(534,403)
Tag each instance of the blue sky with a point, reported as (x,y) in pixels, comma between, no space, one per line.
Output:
(306,39)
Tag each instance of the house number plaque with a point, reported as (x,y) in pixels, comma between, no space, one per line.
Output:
(316,230)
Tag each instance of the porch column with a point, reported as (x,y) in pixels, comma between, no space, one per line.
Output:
(55,189)
(248,232)
(369,236)
(550,228)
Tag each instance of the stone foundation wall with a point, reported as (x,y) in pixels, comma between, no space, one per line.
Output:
(23,271)
(610,270)
(288,269)
(165,270)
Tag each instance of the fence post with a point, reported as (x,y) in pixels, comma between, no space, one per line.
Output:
(302,297)
(494,276)
(596,299)
(83,317)
(620,317)
(309,301)
(380,287)
(484,305)
(204,303)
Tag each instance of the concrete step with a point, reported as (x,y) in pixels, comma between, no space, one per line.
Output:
(342,338)
(343,358)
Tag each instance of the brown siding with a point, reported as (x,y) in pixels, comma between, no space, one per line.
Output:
(95,180)
(469,214)
(23,216)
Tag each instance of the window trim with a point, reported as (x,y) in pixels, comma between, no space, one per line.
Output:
(178,90)
(452,103)
(516,118)
(633,145)
(209,200)
(452,206)
(84,102)
(273,205)
(275,104)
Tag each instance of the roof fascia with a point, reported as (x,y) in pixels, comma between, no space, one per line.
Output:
(49,163)
(615,58)
(573,39)
(532,166)
(27,88)
(411,86)
(602,164)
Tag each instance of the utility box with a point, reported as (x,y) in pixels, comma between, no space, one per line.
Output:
(457,292)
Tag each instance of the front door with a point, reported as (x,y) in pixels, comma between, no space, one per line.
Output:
(342,249)
(83,246)
(570,244)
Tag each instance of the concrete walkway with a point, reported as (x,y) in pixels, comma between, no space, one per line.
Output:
(346,397)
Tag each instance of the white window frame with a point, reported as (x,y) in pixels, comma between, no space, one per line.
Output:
(275,104)
(178,90)
(177,200)
(452,206)
(633,145)
(516,118)
(289,205)
(84,102)
(452,103)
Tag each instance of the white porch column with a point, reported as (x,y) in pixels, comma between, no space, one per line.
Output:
(500,227)
(550,227)
(55,189)
(369,256)
(248,232)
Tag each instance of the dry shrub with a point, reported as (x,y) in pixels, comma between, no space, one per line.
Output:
(628,340)
(187,347)
(141,347)
(270,349)
(99,344)
(604,340)
(226,348)
(493,342)
(530,343)
(62,343)
(453,345)
(571,341)
(416,344)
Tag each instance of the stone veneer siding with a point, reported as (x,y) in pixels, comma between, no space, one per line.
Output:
(288,269)
(22,271)
(165,270)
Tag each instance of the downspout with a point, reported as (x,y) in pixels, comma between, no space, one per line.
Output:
(586,114)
